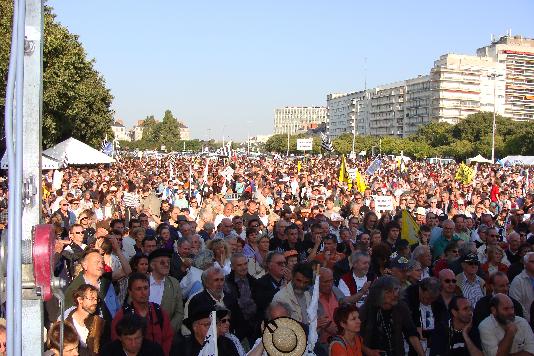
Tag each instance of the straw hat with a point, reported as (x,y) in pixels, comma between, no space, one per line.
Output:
(284,336)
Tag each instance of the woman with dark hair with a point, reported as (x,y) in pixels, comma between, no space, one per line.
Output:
(139,264)
(379,259)
(347,342)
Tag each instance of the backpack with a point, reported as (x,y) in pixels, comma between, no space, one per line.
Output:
(129,309)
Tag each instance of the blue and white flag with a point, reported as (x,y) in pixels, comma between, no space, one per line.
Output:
(326,144)
(312,317)
(107,147)
(209,347)
(375,165)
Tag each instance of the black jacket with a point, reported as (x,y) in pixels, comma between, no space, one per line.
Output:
(411,297)
(244,328)
(268,287)
(402,324)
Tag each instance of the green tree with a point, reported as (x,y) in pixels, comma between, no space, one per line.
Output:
(76,101)
(434,134)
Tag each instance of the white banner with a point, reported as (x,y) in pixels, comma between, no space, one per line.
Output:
(383,203)
(304,144)
(352,173)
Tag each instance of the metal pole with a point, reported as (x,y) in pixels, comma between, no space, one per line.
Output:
(494,76)
(10,153)
(353,132)
(288,128)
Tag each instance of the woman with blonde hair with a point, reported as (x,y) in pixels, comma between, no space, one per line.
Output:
(221,251)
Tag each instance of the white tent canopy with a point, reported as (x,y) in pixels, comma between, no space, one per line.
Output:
(478,159)
(46,162)
(75,152)
(512,160)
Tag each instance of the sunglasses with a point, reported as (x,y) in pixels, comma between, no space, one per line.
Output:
(224,321)
(453,281)
(472,263)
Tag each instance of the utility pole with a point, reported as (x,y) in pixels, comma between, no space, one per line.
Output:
(493,127)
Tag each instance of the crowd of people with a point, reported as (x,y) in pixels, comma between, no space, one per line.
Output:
(151,247)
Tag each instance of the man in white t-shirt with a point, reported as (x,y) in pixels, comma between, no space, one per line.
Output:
(355,284)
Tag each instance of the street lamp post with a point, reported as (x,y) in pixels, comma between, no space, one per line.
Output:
(494,77)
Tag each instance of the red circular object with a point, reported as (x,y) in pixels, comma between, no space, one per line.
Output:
(43,254)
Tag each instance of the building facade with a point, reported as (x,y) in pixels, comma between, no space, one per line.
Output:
(119,131)
(500,78)
(346,111)
(516,53)
(298,119)
(462,85)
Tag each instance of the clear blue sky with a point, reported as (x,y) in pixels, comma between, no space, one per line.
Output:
(226,65)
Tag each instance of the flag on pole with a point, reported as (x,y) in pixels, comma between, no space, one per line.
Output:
(205,174)
(343,174)
(360,182)
(326,144)
(374,166)
(464,174)
(312,316)
(65,161)
(299,166)
(209,347)
(409,228)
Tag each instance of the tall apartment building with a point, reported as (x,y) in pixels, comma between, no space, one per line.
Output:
(517,55)
(346,110)
(416,104)
(386,111)
(500,77)
(297,119)
(462,85)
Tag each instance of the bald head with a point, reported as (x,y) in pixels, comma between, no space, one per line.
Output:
(446,273)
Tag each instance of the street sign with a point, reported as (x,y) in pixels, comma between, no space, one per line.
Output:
(304,144)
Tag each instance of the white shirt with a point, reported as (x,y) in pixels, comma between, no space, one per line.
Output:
(491,333)
(82,331)
(360,281)
(156,290)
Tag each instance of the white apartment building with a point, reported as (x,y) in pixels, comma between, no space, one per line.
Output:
(516,53)
(462,85)
(500,77)
(346,110)
(297,119)
(386,110)
(417,104)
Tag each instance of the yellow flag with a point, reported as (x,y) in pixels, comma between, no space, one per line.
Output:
(409,228)
(465,174)
(343,174)
(360,182)
(299,166)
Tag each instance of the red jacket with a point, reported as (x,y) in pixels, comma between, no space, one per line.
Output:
(160,333)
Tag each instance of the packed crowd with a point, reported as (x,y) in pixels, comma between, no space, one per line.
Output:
(150,247)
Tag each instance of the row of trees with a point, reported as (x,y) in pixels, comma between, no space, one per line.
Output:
(76,101)
(468,138)
(166,132)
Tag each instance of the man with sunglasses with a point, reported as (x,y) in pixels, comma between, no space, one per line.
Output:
(73,252)
(471,286)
